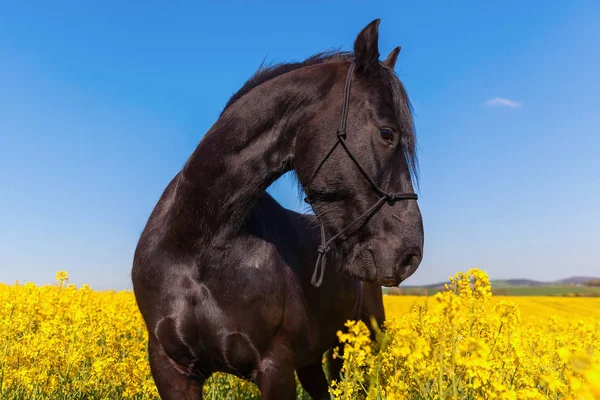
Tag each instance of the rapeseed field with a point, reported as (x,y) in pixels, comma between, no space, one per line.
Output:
(63,342)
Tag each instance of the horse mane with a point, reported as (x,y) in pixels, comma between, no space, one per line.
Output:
(268,72)
(402,104)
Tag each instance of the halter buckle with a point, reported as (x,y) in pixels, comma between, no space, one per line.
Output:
(323,249)
(391,198)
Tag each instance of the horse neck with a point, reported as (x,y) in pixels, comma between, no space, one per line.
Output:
(247,149)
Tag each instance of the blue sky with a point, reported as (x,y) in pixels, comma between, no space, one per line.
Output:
(100,105)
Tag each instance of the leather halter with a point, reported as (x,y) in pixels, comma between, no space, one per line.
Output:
(384,197)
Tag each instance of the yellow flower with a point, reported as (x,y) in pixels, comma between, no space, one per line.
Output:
(470,345)
(62,277)
(60,341)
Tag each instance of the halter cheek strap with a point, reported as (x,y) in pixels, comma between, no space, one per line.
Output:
(384,197)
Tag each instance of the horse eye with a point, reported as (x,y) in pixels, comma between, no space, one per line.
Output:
(386,134)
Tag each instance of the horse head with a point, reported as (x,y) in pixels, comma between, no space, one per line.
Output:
(356,160)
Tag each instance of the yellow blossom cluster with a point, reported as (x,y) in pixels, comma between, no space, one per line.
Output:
(59,341)
(62,342)
(466,346)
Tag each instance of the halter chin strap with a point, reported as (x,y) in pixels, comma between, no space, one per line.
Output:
(384,197)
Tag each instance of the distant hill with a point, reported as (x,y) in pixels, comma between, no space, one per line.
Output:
(571,287)
(501,283)
(575,280)
(516,282)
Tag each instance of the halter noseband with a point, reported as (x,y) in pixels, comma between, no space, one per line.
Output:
(390,198)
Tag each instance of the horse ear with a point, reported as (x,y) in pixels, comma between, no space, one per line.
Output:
(366,51)
(390,61)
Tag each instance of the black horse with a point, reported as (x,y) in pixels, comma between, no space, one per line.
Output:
(222,273)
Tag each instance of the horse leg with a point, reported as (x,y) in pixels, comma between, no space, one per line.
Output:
(312,378)
(171,384)
(372,307)
(334,365)
(275,376)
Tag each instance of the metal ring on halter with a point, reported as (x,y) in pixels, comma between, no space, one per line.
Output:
(390,198)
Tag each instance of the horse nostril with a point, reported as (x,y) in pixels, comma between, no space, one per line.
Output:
(409,264)
(410,260)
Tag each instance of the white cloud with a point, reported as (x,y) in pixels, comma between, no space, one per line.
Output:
(502,102)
